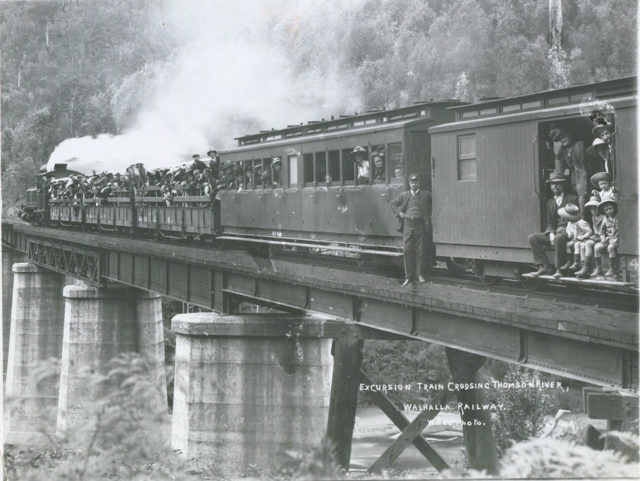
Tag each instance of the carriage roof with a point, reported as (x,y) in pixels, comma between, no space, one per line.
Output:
(372,118)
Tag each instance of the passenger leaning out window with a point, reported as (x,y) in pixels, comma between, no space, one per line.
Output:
(378,167)
(363,166)
(276,172)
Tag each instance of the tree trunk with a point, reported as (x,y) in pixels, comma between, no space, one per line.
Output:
(478,435)
(555,23)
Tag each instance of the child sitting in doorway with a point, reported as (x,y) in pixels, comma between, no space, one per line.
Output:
(604,183)
(609,234)
(587,245)
(571,213)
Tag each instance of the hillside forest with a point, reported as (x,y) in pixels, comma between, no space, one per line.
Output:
(78,68)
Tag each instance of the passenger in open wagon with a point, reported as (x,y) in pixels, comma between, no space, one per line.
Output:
(555,233)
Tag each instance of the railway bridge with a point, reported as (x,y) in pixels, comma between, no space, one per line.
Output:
(575,335)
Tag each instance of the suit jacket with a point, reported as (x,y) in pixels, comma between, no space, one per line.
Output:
(572,158)
(400,203)
(554,221)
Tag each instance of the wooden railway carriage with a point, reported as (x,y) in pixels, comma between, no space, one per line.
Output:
(490,166)
(319,198)
(485,163)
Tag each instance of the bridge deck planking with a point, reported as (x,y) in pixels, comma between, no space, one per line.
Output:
(557,317)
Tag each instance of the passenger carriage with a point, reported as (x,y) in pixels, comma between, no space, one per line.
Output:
(319,199)
(485,163)
(490,166)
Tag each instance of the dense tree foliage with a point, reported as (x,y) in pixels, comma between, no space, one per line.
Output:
(64,66)
(72,68)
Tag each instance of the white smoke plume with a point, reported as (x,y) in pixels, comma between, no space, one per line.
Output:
(242,66)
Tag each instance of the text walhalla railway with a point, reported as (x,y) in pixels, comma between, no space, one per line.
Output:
(454,387)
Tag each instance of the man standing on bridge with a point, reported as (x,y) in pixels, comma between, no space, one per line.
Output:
(413,209)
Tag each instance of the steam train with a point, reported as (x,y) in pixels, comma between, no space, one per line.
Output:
(485,163)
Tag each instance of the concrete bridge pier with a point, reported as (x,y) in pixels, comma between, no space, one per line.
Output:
(249,387)
(37,317)
(9,257)
(100,324)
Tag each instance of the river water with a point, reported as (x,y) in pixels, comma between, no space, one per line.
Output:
(374,432)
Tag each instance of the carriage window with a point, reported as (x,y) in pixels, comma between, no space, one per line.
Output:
(467,161)
(266,173)
(307,161)
(276,172)
(378,164)
(248,174)
(257,173)
(321,167)
(334,167)
(348,165)
(292,162)
(396,163)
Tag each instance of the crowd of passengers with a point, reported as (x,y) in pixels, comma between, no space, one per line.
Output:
(197,177)
(582,214)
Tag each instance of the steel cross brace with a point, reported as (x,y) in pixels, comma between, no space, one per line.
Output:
(66,259)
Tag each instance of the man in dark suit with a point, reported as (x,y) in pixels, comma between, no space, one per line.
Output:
(555,233)
(413,209)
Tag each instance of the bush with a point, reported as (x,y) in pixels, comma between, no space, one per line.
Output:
(525,409)
(558,459)
(126,437)
(318,462)
(404,362)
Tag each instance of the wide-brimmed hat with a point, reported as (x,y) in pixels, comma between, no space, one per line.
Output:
(597,144)
(214,152)
(378,154)
(414,177)
(276,160)
(597,177)
(556,178)
(195,155)
(594,201)
(607,200)
(359,150)
(570,212)
(599,128)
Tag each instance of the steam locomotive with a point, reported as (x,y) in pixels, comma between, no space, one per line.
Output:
(485,163)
